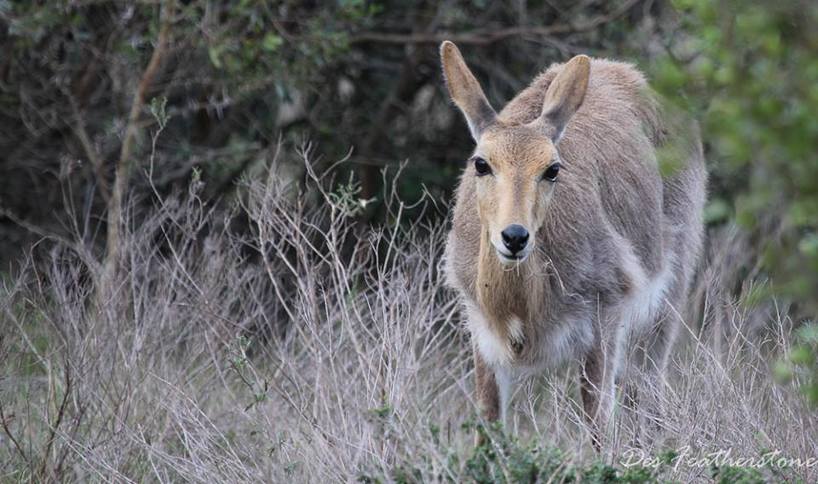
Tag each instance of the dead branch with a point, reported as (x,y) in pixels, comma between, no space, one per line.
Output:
(124,165)
(90,151)
(54,427)
(4,422)
(487,36)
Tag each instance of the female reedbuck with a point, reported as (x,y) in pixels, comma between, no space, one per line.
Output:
(567,243)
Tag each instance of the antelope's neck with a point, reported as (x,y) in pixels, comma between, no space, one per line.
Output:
(505,292)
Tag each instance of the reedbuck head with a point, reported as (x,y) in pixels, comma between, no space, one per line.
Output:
(516,167)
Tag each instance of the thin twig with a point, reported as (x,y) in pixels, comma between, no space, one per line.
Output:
(52,434)
(7,431)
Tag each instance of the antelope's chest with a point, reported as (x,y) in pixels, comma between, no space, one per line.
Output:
(528,346)
(499,342)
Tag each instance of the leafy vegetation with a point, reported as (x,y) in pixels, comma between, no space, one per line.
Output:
(749,70)
(802,363)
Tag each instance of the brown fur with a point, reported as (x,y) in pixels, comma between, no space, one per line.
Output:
(602,232)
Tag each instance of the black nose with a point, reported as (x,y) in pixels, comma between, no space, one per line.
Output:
(515,237)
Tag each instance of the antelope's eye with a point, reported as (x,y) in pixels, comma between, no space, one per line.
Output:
(481,166)
(551,172)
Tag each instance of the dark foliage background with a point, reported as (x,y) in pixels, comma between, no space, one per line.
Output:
(355,78)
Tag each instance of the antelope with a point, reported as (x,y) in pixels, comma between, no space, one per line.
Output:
(567,243)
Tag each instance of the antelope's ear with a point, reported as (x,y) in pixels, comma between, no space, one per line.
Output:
(565,95)
(465,90)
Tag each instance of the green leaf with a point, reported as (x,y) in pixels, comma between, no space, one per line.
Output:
(808,333)
(214,53)
(809,245)
(802,356)
(271,42)
(716,211)
(782,372)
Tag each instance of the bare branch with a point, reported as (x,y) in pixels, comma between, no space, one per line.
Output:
(487,36)
(124,165)
(82,134)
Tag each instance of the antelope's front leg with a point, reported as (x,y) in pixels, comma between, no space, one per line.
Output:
(488,391)
(598,390)
(590,386)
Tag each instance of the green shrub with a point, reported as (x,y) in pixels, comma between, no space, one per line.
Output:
(500,458)
(749,71)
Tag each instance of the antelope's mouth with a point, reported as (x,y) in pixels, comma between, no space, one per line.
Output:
(506,258)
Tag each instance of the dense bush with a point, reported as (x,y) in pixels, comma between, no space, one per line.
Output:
(749,71)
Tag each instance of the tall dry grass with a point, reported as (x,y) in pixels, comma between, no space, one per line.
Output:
(317,350)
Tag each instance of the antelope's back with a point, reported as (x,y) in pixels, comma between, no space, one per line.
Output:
(610,152)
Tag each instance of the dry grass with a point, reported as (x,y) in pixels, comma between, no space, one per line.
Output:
(316,350)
